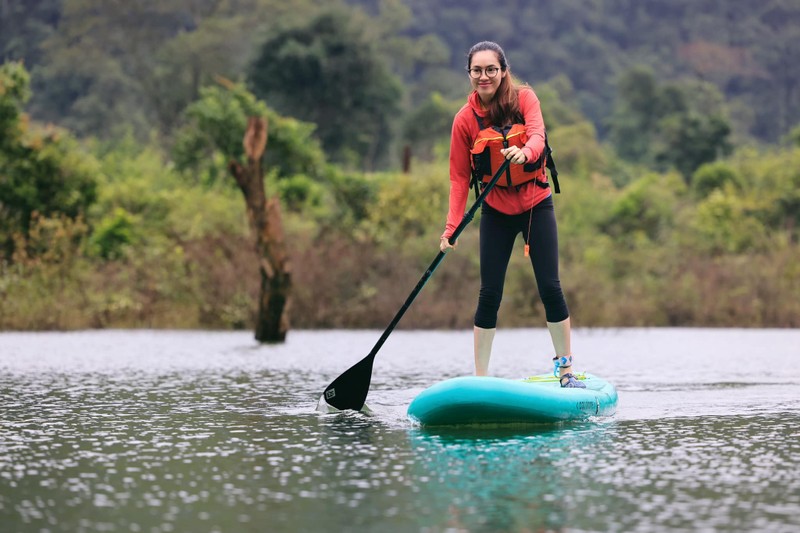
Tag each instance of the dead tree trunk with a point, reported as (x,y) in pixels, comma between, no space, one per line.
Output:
(265,219)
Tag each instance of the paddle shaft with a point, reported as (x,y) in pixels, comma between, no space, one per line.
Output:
(349,390)
(468,216)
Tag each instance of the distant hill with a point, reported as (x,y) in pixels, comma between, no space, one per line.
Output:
(750,50)
(152,56)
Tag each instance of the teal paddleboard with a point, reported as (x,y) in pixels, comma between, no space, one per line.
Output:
(471,400)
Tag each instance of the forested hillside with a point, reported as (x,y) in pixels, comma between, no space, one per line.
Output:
(747,49)
(82,51)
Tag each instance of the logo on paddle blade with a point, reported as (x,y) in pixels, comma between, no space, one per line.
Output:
(330,394)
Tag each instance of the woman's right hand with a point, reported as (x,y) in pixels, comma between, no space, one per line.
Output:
(444,244)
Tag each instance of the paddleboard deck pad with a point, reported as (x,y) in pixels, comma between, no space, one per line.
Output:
(472,400)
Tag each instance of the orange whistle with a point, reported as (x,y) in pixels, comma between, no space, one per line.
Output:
(527,250)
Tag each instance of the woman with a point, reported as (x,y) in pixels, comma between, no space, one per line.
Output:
(521,203)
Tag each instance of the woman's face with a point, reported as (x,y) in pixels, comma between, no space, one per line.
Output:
(485,85)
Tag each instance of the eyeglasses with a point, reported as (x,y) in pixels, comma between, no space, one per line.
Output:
(477,72)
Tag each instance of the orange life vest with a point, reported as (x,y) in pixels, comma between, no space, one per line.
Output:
(486,158)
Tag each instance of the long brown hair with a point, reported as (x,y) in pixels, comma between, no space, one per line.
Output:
(504,107)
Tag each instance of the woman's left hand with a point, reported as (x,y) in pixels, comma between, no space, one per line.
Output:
(514,154)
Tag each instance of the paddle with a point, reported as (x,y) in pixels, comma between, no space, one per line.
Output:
(349,391)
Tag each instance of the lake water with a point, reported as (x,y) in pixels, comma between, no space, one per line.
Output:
(196,431)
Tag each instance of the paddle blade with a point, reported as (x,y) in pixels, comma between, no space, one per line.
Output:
(349,391)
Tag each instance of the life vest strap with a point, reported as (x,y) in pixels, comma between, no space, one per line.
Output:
(538,183)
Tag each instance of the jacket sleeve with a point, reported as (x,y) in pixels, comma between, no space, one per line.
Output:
(460,173)
(534,124)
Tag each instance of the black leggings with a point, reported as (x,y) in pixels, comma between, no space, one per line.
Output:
(497,235)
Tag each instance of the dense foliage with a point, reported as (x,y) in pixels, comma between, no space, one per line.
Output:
(746,49)
(43,172)
(674,124)
(328,73)
(98,67)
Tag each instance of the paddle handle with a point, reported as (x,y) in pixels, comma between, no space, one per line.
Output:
(468,216)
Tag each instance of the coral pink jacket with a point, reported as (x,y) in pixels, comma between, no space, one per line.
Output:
(511,201)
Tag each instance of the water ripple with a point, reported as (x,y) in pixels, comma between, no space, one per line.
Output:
(209,433)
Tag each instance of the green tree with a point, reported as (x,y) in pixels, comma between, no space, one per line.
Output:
(327,72)
(429,124)
(646,207)
(101,73)
(793,137)
(24,25)
(727,222)
(688,140)
(559,103)
(714,176)
(215,125)
(680,126)
(43,172)
(115,66)
(635,114)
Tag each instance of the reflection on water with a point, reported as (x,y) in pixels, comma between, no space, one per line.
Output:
(507,481)
(708,474)
(116,431)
